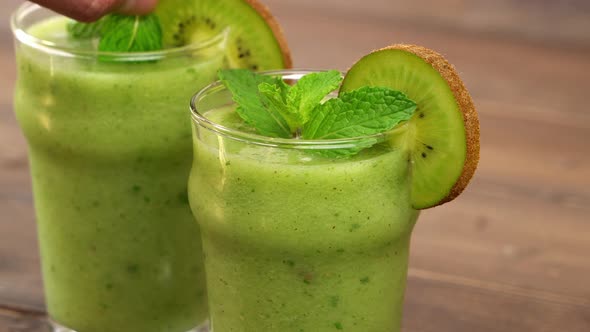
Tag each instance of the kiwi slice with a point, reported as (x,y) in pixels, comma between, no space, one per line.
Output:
(443,135)
(254,38)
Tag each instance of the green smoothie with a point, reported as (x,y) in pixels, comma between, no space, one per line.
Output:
(294,241)
(110,154)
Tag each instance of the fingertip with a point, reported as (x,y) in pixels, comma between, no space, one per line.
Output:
(137,7)
(81,10)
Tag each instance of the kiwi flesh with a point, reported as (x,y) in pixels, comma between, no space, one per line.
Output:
(443,135)
(254,38)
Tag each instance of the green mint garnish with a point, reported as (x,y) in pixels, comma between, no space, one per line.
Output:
(362,112)
(296,103)
(310,90)
(273,95)
(81,30)
(277,109)
(253,106)
(121,33)
(270,105)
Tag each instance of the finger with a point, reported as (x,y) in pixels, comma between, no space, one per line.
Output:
(137,7)
(92,10)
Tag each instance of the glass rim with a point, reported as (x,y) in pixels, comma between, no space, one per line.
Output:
(20,34)
(258,139)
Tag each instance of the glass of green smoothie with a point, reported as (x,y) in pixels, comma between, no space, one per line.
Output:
(293,240)
(308,229)
(110,155)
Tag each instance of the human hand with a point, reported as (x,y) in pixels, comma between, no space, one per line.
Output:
(92,10)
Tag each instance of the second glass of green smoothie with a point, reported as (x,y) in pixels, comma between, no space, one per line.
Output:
(293,240)
(110,154)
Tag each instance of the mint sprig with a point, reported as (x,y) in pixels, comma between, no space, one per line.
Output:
(277,109)
(121,33)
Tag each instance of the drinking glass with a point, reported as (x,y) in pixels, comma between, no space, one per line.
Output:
(296,237)
(109,143)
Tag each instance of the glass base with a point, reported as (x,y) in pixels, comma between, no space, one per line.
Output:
(55,327)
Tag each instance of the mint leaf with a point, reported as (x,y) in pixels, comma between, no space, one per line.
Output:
(122,33)
(79,30)
(276,97)
(362,112)
(255,108)
(310,90)
(296,103)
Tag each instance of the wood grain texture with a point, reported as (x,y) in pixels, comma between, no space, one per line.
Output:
(12,320)
(544,21)
(511,253)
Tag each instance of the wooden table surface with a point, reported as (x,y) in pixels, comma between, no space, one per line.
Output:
(513,252)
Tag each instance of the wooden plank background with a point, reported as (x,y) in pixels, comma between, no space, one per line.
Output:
(510,254)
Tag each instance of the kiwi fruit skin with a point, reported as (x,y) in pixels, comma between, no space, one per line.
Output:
(465,105)
(275,28)
(254,38)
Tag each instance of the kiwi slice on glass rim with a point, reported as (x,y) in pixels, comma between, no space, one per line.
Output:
(254,39)
(442,136)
